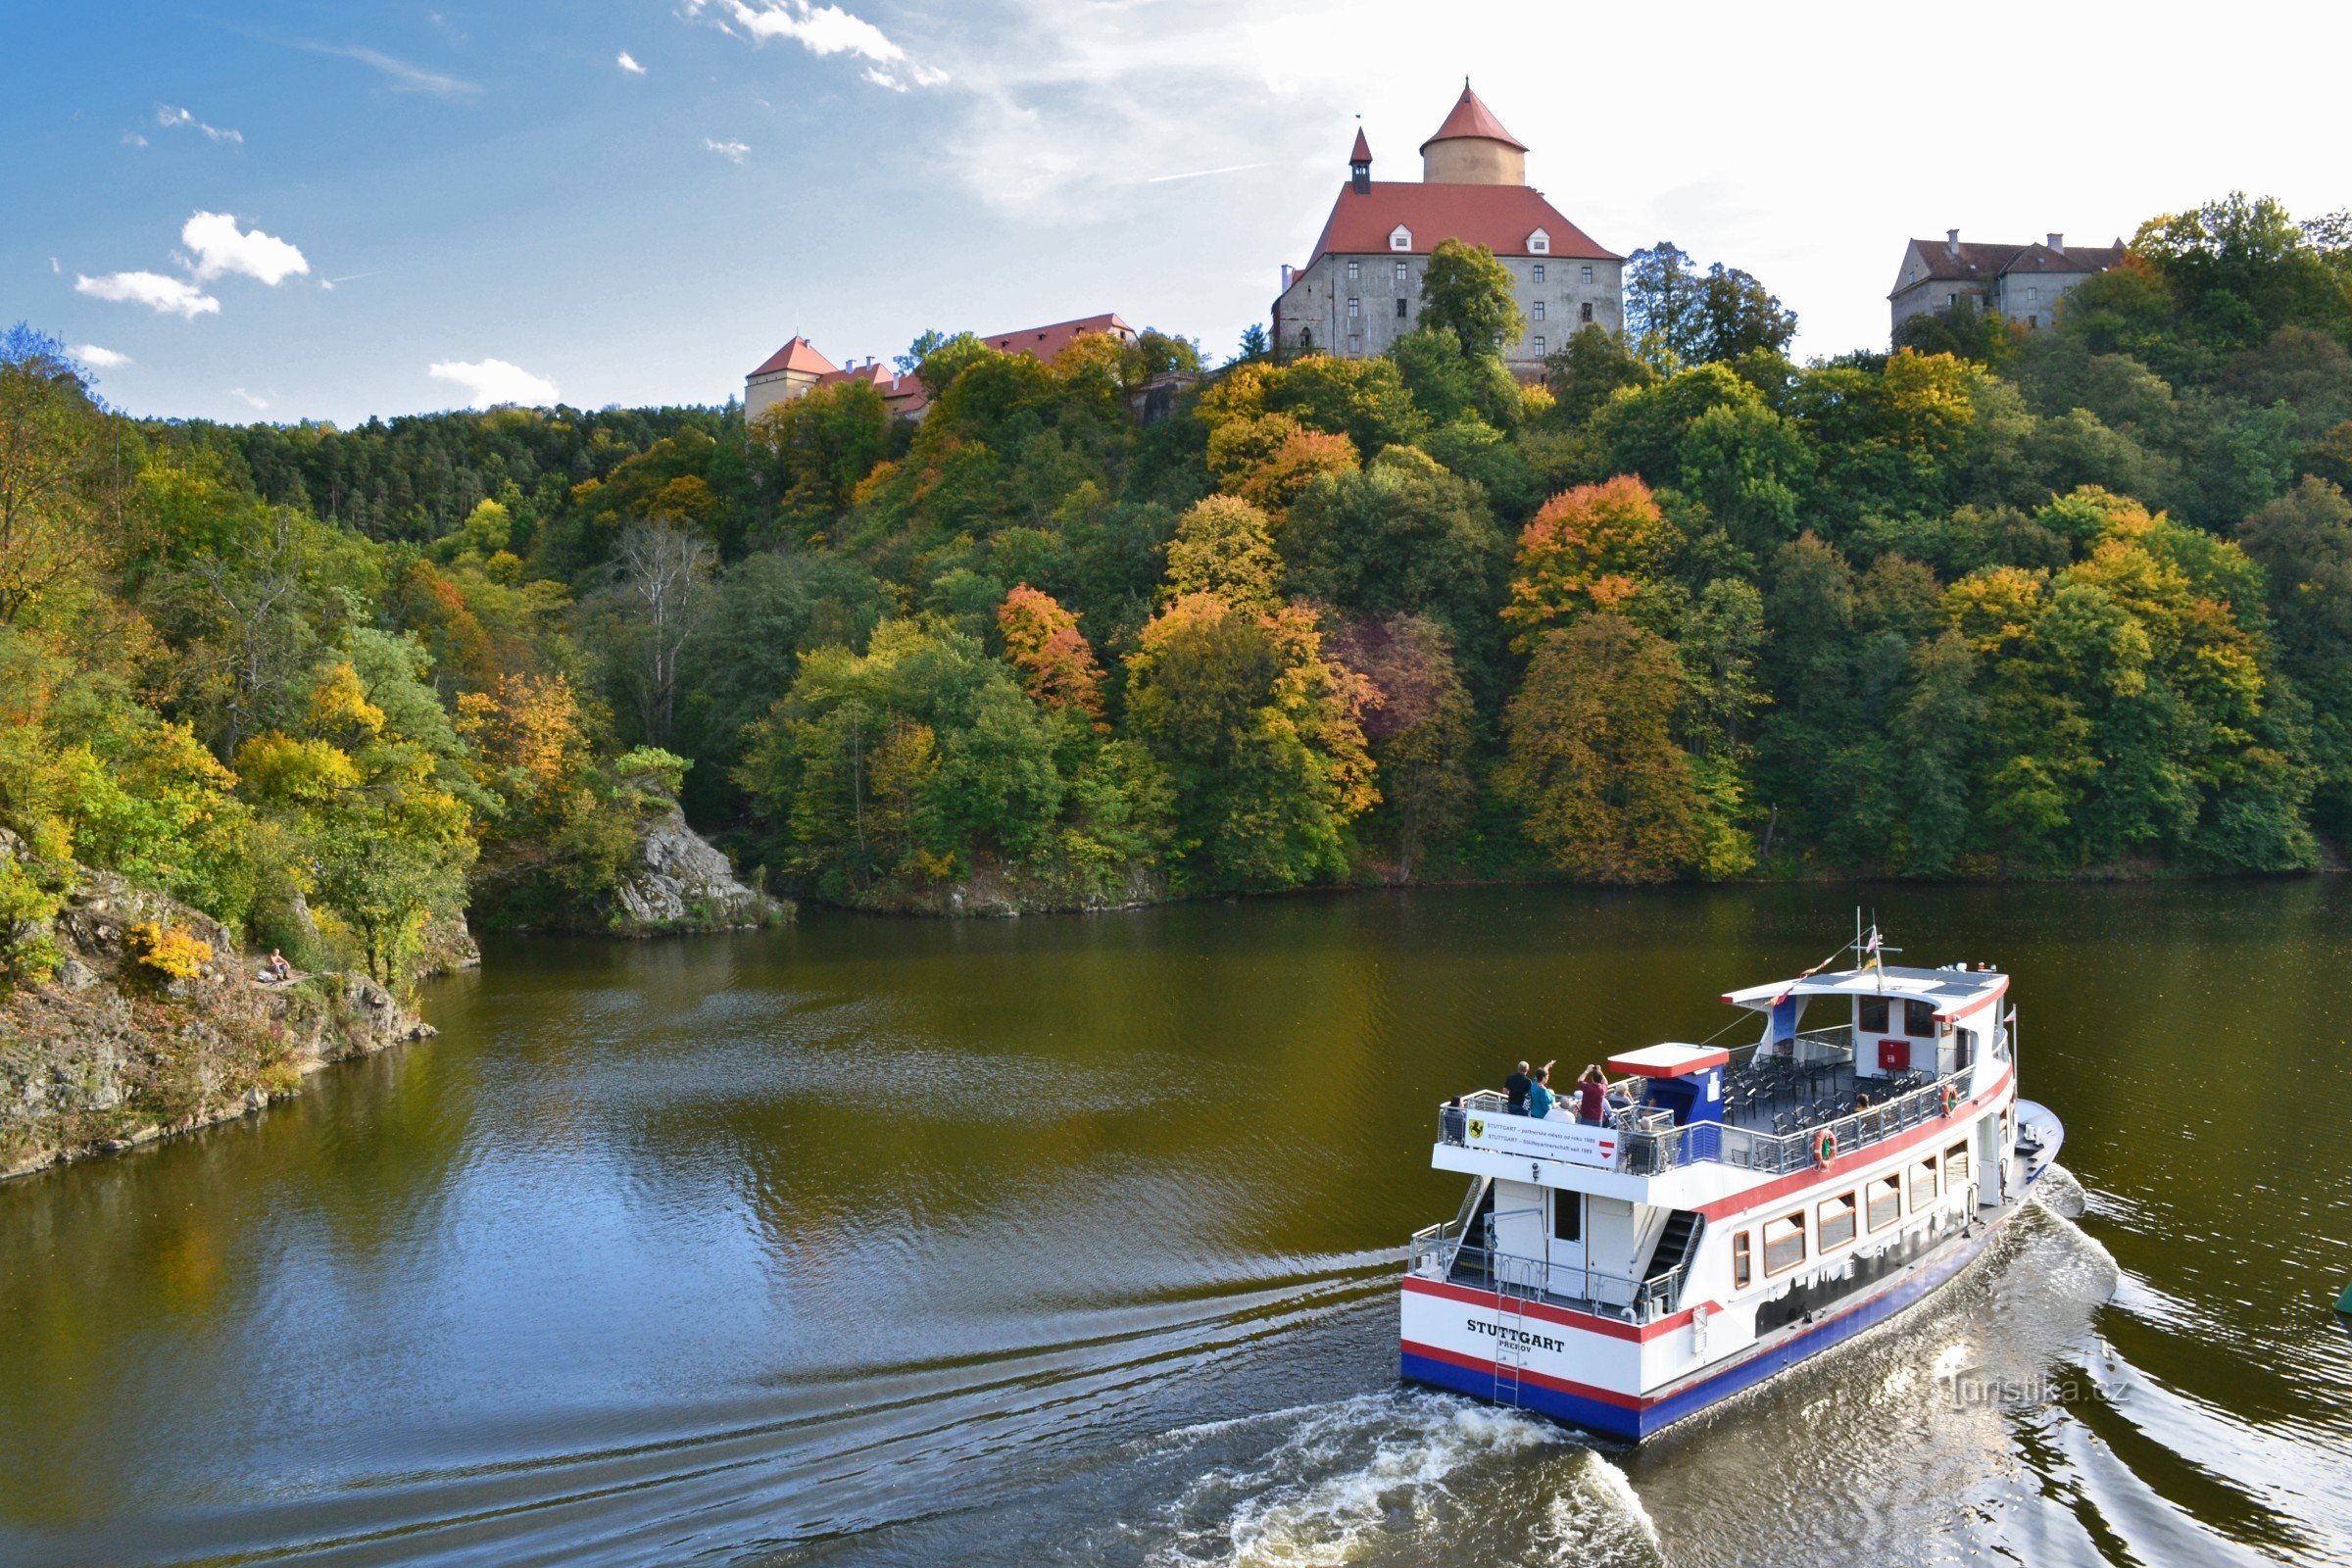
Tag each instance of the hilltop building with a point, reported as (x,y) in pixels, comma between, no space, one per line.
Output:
(797,368)
(1360,290)
(2020,284)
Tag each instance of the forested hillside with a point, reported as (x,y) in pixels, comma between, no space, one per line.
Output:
(1996,604)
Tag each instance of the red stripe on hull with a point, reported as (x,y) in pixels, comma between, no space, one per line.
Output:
(1565,1317)
(1541,1380)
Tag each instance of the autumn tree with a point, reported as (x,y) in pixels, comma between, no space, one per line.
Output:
(1592,548)
(1057,667)
(1225,546)
(52,461)
(1593,762)
(1420,727)
(1258,731)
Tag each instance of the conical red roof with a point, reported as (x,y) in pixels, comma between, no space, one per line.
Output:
(797,355)
(1473,120)
(1363,148)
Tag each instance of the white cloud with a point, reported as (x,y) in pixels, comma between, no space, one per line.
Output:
(822,29)
(98,358)
(489,382)
(167,296)
(131,138)
(734,152)
(628,63)
(221,247)
(171,119)
(247,398)
(404,76)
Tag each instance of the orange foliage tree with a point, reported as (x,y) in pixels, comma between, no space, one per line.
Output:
(1057,667)
(1589,549)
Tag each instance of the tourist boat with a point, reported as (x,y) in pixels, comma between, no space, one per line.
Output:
(1739,1210)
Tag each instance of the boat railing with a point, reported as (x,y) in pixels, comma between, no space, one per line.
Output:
(1438,1252)
(1651,1144)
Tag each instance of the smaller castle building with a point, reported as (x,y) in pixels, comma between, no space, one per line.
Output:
(1360,290)
(2023,284)
(797,368)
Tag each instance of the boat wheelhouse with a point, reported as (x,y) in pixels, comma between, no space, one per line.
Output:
(1737,1210)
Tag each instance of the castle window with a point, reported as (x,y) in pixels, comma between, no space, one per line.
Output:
(1356,343)
(1588,277)
(1539,310)
(1355,269)
(1405,272)
(1355,306)
(1538,271)
(1539,243)
(1584,312)
(1400,307)
(1400,239)
(1539,348)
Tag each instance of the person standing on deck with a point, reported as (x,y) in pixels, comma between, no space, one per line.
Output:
(1593,1097)
(1538,1093)
(1515,1088)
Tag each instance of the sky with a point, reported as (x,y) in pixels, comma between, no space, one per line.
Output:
(275,210)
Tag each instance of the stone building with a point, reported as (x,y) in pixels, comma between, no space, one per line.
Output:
(1361,289)
(796,368)
(2020,284)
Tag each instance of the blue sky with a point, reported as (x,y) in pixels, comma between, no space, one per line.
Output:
(286,210)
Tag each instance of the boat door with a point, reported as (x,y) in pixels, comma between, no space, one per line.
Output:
(1566,1243)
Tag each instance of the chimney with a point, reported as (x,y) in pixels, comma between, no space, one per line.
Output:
(2057,241)
(1288,273)
(1951,241)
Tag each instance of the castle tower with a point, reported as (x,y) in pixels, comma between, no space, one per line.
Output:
(1472,148)
(1359,165)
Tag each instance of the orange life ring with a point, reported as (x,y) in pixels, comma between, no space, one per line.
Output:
(1824,1150)
(1951,1097)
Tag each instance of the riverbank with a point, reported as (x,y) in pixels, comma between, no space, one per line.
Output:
(152,1021)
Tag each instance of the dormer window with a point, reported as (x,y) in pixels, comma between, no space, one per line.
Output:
(1539,243)
(1400,239)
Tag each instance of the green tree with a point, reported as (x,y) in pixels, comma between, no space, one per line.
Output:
(1466,291)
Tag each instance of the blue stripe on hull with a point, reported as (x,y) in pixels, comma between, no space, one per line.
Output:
(1617,1421)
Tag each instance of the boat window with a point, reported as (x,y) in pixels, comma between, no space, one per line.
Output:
(1919,1019)
(1955,1166)
(1834,1222)
(1567,1217)
(1785,1243)
(1741,1263)
(1874,1015)
(1923,1185)
(1885,1201)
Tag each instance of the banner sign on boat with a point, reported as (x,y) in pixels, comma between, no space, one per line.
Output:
(1570,1141)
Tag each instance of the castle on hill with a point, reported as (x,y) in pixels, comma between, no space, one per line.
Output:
(1360,290)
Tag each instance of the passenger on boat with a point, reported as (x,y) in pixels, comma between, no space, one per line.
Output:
(1514,1090)
(1593,1097)
(1455,1119)
(1540,1100)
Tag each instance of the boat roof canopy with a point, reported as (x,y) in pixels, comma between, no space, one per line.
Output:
(1953,991)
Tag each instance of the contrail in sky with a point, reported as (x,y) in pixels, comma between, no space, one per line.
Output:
(1196,173)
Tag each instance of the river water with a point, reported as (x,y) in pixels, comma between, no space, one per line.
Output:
(1072,1241)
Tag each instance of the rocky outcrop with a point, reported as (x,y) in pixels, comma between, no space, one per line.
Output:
(680,882)
(108,1052)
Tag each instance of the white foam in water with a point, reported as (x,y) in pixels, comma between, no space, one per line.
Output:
(1349,1477)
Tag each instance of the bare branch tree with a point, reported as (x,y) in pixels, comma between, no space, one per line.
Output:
(661,571)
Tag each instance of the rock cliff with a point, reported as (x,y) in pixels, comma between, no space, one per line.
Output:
(108,1052)
(679,882)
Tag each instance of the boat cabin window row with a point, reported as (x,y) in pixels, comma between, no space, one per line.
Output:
(1919,1017)
(1837,1221)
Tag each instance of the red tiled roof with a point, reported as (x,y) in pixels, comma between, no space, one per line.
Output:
(1497,216)
(905,394)
(797,355)
(1363,148)
(1471,117)
(1047,342)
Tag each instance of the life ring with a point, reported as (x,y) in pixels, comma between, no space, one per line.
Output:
(1951,1097)
(1824,1150)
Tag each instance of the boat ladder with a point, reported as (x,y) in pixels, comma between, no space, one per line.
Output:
(1513,1288)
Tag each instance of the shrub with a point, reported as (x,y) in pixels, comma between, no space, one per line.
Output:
(170,951)
(28,953)
(667,768)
